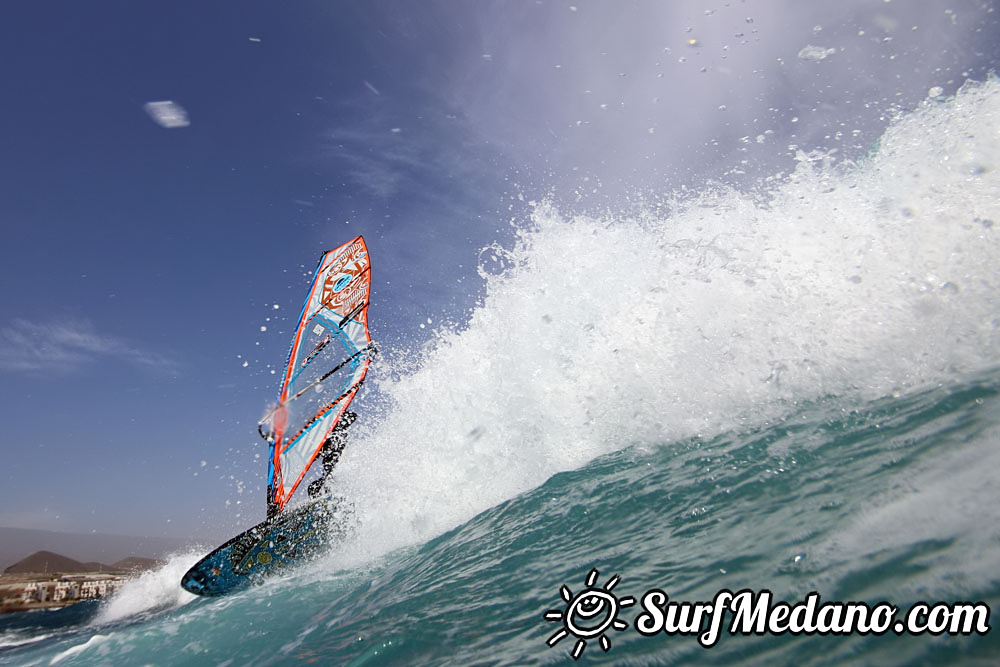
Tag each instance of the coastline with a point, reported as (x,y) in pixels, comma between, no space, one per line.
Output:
(34,591)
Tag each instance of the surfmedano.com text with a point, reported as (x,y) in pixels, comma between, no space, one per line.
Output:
(755,613)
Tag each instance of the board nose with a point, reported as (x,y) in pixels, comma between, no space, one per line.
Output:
(194,582)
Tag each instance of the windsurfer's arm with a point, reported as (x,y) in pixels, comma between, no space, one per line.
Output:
(337,440)
(330,453)
(346,420)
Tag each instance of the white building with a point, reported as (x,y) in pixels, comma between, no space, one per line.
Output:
(71,588)
(99,586)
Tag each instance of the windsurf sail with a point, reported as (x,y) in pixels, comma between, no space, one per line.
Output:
(329,356)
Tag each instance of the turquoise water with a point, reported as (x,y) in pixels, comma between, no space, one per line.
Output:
(874,502)
(792,390)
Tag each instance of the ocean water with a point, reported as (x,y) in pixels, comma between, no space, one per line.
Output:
(794,389)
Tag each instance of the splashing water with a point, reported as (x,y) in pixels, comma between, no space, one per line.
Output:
(793,388)
(717,312)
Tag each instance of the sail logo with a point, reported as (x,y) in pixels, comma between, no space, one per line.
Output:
(342,291)
(335,284)
(589,614)
(340,283)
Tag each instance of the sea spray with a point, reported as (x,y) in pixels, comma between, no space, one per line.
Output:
(152,591)
(718,311)
(724,392)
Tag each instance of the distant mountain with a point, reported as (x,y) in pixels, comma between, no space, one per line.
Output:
(46,561)
(18,543)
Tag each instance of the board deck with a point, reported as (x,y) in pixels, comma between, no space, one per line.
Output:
(266,549)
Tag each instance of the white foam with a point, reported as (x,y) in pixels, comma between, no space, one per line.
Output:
(696,316)
(11,639)
(154,590)
(95,640)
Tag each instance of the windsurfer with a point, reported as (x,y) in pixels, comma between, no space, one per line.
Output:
(330,453)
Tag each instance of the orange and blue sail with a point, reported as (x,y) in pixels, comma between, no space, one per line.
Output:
(327,363)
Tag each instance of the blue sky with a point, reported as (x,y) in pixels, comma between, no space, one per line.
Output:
(151,272)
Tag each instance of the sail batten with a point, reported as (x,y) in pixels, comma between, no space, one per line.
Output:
(327,363)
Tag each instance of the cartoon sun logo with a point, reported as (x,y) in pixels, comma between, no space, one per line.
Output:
(589,614)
